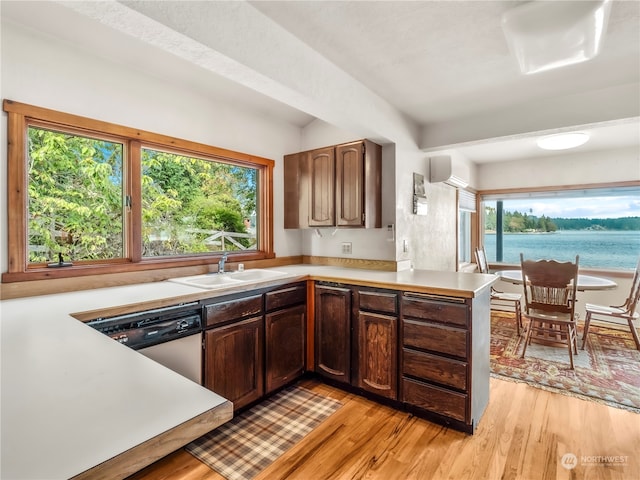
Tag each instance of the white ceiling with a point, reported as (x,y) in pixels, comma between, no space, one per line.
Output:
(434,64)
(438,60)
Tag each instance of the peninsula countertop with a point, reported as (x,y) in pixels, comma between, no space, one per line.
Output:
(72,398)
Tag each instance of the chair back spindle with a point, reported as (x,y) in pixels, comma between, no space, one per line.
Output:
(614,314)
(500,300)
(481,260)
(631,304)
(550,298)
(550,285)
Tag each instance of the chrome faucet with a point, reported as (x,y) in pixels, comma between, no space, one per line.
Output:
(221,262)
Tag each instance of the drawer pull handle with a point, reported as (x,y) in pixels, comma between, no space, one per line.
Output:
(440,298)
(285,290)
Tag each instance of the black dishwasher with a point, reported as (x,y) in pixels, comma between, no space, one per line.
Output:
(170,335)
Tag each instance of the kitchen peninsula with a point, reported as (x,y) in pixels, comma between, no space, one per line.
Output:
(82,405)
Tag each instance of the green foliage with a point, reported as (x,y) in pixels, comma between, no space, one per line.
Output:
(75,197)
(625,223)
(172,173)
(186,201)
(75,200)
(221,213)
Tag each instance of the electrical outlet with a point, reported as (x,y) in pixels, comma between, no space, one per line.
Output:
(405,246)
(346,248)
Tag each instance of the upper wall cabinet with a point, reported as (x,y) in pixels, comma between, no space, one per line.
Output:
(333,186)
(322,187)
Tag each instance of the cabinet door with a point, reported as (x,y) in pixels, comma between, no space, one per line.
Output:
(296,190)
(321,165)
(285,346)
(377,369)
(233,361)
(333,332)
(349,185)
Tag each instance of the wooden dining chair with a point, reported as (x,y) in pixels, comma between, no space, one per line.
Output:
(550,297)
(615,315)
(500,300)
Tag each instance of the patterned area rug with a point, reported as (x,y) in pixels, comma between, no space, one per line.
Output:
(607,370)
(243,447)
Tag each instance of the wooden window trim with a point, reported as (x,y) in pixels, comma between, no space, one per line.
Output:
(20,115)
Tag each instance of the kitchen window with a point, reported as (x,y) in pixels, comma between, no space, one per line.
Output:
(107,198)
(466,210)
(192,205)
(464,237)
(74,196)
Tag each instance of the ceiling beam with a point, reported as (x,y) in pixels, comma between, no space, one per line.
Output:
(561,113)
(238,42)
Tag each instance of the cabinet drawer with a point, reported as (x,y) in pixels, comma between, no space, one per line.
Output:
(222,312)
(435,399)
(435,310)
(435,337)
(285,297)
(378,301)
(441,370)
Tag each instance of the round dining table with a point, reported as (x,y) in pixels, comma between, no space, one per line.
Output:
(585,282)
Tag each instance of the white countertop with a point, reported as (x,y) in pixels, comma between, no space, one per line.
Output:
(72,397)
(431,281)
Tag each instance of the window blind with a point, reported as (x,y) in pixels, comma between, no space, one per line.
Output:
(466,200)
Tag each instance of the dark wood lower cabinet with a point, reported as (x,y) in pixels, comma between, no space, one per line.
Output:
(445,357)
(428,354)
(234,361)
(377,365)
(442,370)
(375,343)
(285,346)
(435,399)
(333,332)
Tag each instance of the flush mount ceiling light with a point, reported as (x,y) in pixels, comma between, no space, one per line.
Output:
(562,141)
(544,35)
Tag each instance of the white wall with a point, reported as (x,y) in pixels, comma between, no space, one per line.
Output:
(320,134)
(51,73)
(618,165)
(431,238)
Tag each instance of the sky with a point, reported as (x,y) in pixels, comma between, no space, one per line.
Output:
(579,207)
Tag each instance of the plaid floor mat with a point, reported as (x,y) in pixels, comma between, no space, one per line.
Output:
(246,445)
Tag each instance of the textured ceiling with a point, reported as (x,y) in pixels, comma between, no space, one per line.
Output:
(438,61)
(390,69)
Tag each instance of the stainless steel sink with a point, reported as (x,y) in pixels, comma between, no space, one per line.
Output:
(212,281)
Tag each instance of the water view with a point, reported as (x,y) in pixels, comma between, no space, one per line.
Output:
(597,249)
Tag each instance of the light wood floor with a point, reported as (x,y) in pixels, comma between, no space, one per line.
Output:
(523,434)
